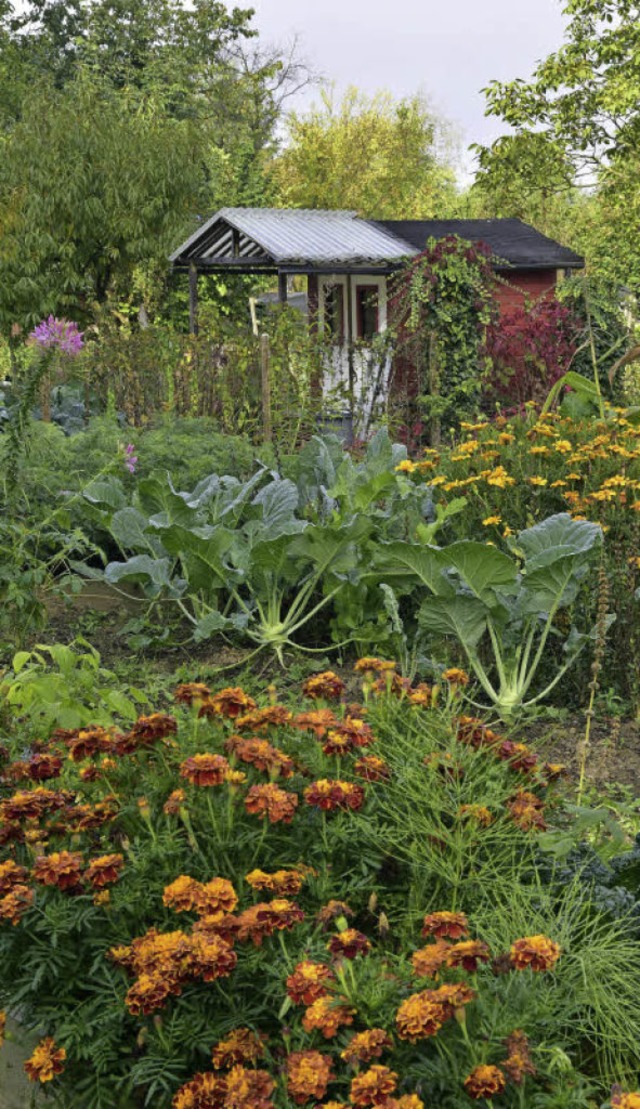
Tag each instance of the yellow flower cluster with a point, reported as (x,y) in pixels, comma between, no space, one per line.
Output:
(546,464)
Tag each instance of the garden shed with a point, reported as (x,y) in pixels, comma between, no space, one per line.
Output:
(348,262)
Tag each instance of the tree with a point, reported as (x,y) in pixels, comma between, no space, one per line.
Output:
(377,155)
(121,123)
(577,122)
(92,183)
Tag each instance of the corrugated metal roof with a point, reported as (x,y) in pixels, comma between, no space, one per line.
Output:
(274,238)
(296,236)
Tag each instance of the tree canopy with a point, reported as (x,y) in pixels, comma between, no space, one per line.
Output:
(380,156)
(576,125)
(121,122)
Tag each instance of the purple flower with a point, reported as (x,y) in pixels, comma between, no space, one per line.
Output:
(130,459)
(58,333)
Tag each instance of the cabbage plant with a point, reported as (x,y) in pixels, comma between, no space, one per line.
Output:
(500,606)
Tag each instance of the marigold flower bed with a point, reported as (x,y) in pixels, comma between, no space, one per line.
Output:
(208,910)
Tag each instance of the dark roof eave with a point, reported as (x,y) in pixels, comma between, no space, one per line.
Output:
(518,267)
(226,265)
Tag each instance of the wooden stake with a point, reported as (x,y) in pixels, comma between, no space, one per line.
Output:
(267,430)
(193,299)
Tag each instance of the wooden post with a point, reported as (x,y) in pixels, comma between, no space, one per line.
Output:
(267,430)
(350,337)
(193,299)
(434,389)
(283,292)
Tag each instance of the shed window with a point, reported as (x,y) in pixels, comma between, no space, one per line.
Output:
(334,312)
(367,314)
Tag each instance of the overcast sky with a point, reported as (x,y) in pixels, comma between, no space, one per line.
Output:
(449,49)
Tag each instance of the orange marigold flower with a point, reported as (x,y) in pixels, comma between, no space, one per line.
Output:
(421,1015)
(14,904)
(538,952)
(189,692)
(527,811)
(271,801)
(445,925)
(211,956)
(374,1086)
(284,883)
(230,702)
(327,1014)
(261,754)
(272,716)
(317,721)
(204,770)
(3,1025)
(279,914)
(554,770)
(408,1101)
(372,769)
(216,898)
(174,802)
(478,813)
(519,1063)
(46,1061)
(625,1101)
(391,684)
(484,1082)
(203,1091)
(337,742)
(467,954)
(308,982)
(104,870)
(43,767)
(517,755)
(374,666)
(85,742)
(308,1075)
(248,1089)
(243,1045)
(352,732)
(30,804)
(454,676)
(156,726)
(428,961)
(328,913)
(328,795)
(349,944)
(421,695)
(182,894)
(155,952)
(365,1046)
(149,992)
(11,875)
(326,686)
(454,996)
(61,869)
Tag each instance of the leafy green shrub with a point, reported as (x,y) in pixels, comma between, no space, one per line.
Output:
(66,687)
(188,449)
(117,834)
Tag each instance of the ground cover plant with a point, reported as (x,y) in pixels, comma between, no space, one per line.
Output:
(236,904)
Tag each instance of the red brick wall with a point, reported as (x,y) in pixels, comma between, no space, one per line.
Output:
(529,284)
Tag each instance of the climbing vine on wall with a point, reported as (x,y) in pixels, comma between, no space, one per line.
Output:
(442,302)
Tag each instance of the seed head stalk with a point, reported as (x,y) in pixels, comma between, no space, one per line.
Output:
(596,666)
